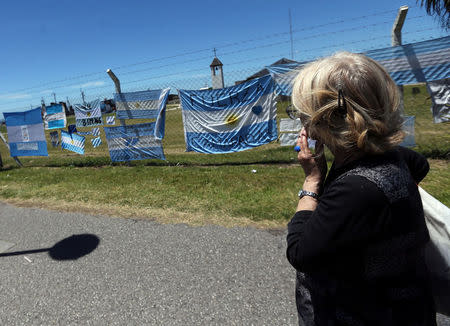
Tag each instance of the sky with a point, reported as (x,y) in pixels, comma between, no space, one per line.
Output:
(56,49)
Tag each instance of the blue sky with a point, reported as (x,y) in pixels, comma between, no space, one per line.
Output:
(63,46)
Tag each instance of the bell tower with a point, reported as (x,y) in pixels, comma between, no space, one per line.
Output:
(216,72)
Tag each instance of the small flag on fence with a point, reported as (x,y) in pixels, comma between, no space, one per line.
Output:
(96,142)
(95,132)
(72,142)
(54,117)
(88,115)
(133,142)
(54,138)
(26,133)
(111,120)
(72,129)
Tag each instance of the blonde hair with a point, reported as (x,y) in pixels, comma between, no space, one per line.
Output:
(370,122)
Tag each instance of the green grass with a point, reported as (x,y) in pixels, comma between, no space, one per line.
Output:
(195,187)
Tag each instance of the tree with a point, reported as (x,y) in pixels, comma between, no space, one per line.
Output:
(438,8)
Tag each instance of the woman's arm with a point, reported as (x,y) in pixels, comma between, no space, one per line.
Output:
(315,168)
(348,214)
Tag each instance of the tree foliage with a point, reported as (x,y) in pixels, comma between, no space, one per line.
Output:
(438,8)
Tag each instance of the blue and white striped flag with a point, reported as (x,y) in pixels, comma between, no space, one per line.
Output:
(133,142)
(88,115)
(95,132)
(111,120)
(230,119)
(407,64)
(142,104)
(96,142)
(72,142)
(84,133)
(54,117)
(26,135)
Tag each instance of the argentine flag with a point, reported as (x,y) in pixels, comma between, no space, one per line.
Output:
(26,133)
(72,142)
(133,142)
(230,119)
(407,64)
(148,104)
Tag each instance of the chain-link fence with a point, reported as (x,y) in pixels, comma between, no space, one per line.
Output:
(238,61)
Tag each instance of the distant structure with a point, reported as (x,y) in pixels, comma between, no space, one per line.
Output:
(264,71)
(216,73)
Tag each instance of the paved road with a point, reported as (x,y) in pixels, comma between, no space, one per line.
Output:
(142,273)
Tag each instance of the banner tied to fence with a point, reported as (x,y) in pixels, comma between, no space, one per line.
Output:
(96,142)
(407,64)
(26,135)
(148,104)
(54,117)
(133,142)
(54,138)
(111,120)
(439,91)
(88,115)
(230,119)
(72,142)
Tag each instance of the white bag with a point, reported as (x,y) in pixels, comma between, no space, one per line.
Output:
(437,252)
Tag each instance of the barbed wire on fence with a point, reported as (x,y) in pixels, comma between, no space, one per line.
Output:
(169,71)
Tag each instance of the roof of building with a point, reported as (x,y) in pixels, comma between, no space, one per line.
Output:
(216,62)
(264,71)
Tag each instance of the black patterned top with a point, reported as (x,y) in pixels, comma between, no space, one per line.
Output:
(362,247)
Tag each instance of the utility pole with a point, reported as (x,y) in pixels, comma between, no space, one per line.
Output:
(54,97)
(396,40)
(290,33)
(82,96)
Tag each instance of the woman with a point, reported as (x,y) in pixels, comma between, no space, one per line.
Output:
(359,235)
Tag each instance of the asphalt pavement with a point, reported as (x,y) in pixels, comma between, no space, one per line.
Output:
(141,273)
(74,269)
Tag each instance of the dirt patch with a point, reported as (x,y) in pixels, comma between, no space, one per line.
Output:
(164,216)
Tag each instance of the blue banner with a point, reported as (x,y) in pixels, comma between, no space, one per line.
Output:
(407,64)
(133,142)
(54,117)
(230,119)
(26,135)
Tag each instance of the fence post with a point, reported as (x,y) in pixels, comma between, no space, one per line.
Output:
(118,90)
(396,40)
(6,143)
(117,84)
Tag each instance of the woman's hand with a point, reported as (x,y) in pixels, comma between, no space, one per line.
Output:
(315,167)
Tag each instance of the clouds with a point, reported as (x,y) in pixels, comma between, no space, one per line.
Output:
(14,96)
(89,84)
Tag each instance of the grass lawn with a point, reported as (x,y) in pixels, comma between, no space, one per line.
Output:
(255,187)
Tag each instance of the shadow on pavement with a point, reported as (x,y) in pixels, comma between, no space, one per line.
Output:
(71,248)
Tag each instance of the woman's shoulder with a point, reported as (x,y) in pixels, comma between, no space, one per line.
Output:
(390,176)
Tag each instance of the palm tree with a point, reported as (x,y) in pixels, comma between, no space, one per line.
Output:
(438,8)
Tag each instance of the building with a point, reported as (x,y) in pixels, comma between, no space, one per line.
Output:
(264,71)
(217,74)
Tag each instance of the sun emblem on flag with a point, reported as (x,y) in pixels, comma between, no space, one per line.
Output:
(231,119)
(71,141)
(89,114)
(137,105)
